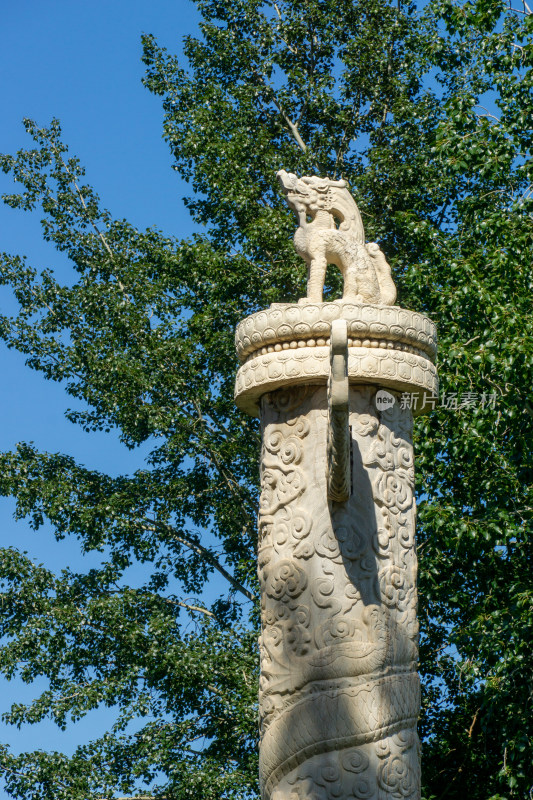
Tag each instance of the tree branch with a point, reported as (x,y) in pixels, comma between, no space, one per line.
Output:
(293,50)
(192,608)
(292,127)
(92,222)
(229,480)
(198,548)
(136,797)
(526,11)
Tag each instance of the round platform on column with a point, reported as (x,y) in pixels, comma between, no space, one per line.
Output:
(288,345)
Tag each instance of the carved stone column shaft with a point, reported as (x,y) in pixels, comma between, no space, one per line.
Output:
(339,690)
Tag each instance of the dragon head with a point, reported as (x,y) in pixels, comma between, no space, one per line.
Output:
(310,194)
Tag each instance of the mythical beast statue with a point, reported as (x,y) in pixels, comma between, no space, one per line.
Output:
(366,273)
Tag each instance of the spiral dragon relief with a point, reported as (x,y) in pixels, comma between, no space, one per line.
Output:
(339,693)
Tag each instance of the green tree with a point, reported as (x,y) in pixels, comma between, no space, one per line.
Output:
(390,97)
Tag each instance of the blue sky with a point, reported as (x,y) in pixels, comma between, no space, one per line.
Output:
(80,62)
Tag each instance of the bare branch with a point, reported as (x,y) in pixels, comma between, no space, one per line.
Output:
(526,195)
(526,10)
(229,480)
(292,126)
(294,50)
(487,114)
(91,221)
(136,797)
(198,548)
(474,720)
(192,608)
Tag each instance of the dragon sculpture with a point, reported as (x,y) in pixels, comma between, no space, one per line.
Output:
(366,273)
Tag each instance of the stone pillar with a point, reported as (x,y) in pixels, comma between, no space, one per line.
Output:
(339,690)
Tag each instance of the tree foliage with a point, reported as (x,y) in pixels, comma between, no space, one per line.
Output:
(426,112)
